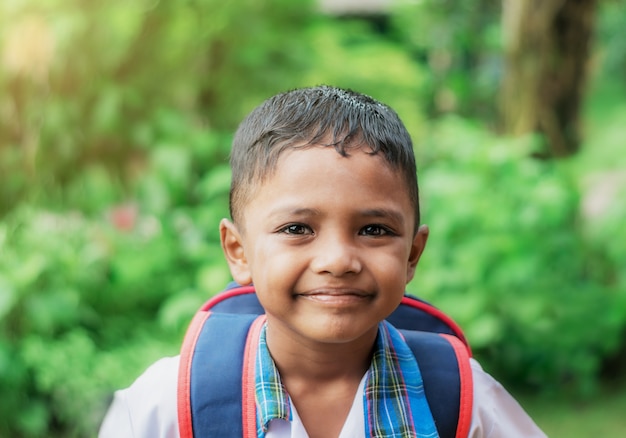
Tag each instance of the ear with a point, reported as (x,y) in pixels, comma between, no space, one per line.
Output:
(417,248)
(232,245)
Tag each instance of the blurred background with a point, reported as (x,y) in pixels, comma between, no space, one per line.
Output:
(115,124)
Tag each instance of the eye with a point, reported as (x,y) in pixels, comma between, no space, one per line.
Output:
(375,230)
(296,229)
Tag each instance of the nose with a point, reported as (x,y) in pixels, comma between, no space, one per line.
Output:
(336,256)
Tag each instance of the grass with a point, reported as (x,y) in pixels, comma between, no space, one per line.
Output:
(600,415)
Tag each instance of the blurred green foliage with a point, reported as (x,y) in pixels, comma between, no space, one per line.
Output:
(97,83)
(510,256)
(459,41)
(116,119)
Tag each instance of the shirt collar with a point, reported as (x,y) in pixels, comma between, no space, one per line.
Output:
(395,400)
(272,400)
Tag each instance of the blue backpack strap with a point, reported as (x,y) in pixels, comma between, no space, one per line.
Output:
(444,363)
(419,315)
(210,376)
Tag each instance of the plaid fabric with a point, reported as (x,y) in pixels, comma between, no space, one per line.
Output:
(272,400)
(393,396)
(395,402)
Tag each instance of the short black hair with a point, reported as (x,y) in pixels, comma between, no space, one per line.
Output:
(317,116)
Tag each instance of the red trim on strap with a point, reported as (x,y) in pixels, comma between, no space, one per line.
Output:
(432,310)
(248,383)
(185,425)
(242,290)
(467,386)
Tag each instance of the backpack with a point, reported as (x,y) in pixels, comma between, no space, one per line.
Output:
(215,388)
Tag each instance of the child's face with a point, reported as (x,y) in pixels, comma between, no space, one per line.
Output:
(328,242)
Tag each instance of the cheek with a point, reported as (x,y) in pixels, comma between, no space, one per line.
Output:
(393,259)
(272,264)
(393,270)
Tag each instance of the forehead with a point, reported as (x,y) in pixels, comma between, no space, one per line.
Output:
(320,177)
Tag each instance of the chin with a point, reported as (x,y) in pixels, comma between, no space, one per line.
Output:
(343,335)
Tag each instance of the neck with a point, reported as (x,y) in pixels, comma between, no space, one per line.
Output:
(303,360)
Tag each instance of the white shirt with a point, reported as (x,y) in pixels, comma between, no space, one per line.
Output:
(147,409)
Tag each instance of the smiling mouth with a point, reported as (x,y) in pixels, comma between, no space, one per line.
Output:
(336,296)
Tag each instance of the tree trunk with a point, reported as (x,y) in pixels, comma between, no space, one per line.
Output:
(547,46)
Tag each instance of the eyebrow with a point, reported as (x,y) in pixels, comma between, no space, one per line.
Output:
(296,211)
(374,213)
(384,213)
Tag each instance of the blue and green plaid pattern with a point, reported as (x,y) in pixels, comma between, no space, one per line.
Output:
(394,401)
(272,400)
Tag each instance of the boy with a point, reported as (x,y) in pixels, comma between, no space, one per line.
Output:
(326,223)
